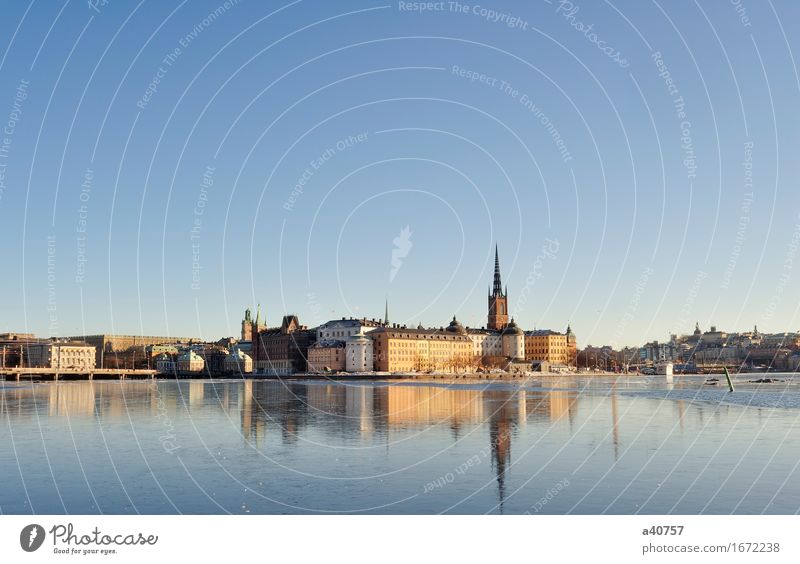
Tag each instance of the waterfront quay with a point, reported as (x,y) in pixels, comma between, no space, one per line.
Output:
(56,374)
(52,374)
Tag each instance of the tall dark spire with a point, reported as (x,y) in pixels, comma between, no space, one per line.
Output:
(386,313)
(498,286)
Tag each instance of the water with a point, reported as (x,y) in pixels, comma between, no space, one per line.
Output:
(567,445)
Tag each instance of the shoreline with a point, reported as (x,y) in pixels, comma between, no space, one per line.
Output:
(344,377)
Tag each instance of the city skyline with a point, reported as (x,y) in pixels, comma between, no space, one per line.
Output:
(317,158)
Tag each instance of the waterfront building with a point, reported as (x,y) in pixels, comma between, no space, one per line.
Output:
(326,356)
(13,348)
(546,345)
(238,362)
(572,347)
(359,355)
(282,350)
(165,363)
(486,344)
(107,347)
(190,361)
(213,356)
(67,355)
(341,329)
(658,352)
(400,349)
(513,341)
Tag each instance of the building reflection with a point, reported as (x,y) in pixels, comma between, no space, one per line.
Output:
(284,410)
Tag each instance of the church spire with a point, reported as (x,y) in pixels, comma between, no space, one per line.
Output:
(258,315)
(386,313)
(498,285)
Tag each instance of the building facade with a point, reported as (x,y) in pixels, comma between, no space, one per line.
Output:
(165,363)
(282,350)
(400,349)
(237,362)
(341,329)
(190,361)
(486,344)
(107,345)
(69,355)
(549,346)
(326,356)
(13,348)
(359,355)
(513,341)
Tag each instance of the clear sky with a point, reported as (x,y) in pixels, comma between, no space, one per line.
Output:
(165,165)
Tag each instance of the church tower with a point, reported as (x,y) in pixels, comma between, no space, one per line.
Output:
(251,327)
(498,300)
(247,326)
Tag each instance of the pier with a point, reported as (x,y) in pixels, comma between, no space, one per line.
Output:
(73,374)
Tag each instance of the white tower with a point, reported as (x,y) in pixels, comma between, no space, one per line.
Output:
(358,354)
(513,341)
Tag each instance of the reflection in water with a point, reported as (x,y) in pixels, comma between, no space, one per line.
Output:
(615,418)
(289,407)
(406,434)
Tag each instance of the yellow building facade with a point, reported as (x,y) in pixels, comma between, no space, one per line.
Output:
(548,346)
(398,349)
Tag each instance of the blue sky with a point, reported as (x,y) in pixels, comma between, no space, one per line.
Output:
(639,222)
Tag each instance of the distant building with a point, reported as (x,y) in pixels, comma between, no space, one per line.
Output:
(165,363)
(399,349)
(548,346)
(513,341)
(106,345)
(238,362)
(486,343)
(340,329)
(156,350)
(658,352)
(190,361)
(282,350)
(359,355)
(327,355)
(213,357)
(17,337)
(13,347)
(67,355)
(572,347)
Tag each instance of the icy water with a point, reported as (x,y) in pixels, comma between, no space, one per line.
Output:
(567,445)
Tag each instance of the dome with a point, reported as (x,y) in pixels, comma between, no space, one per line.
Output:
(189,355)
(237,355)
(455,327)
(512,329)
(358,338)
